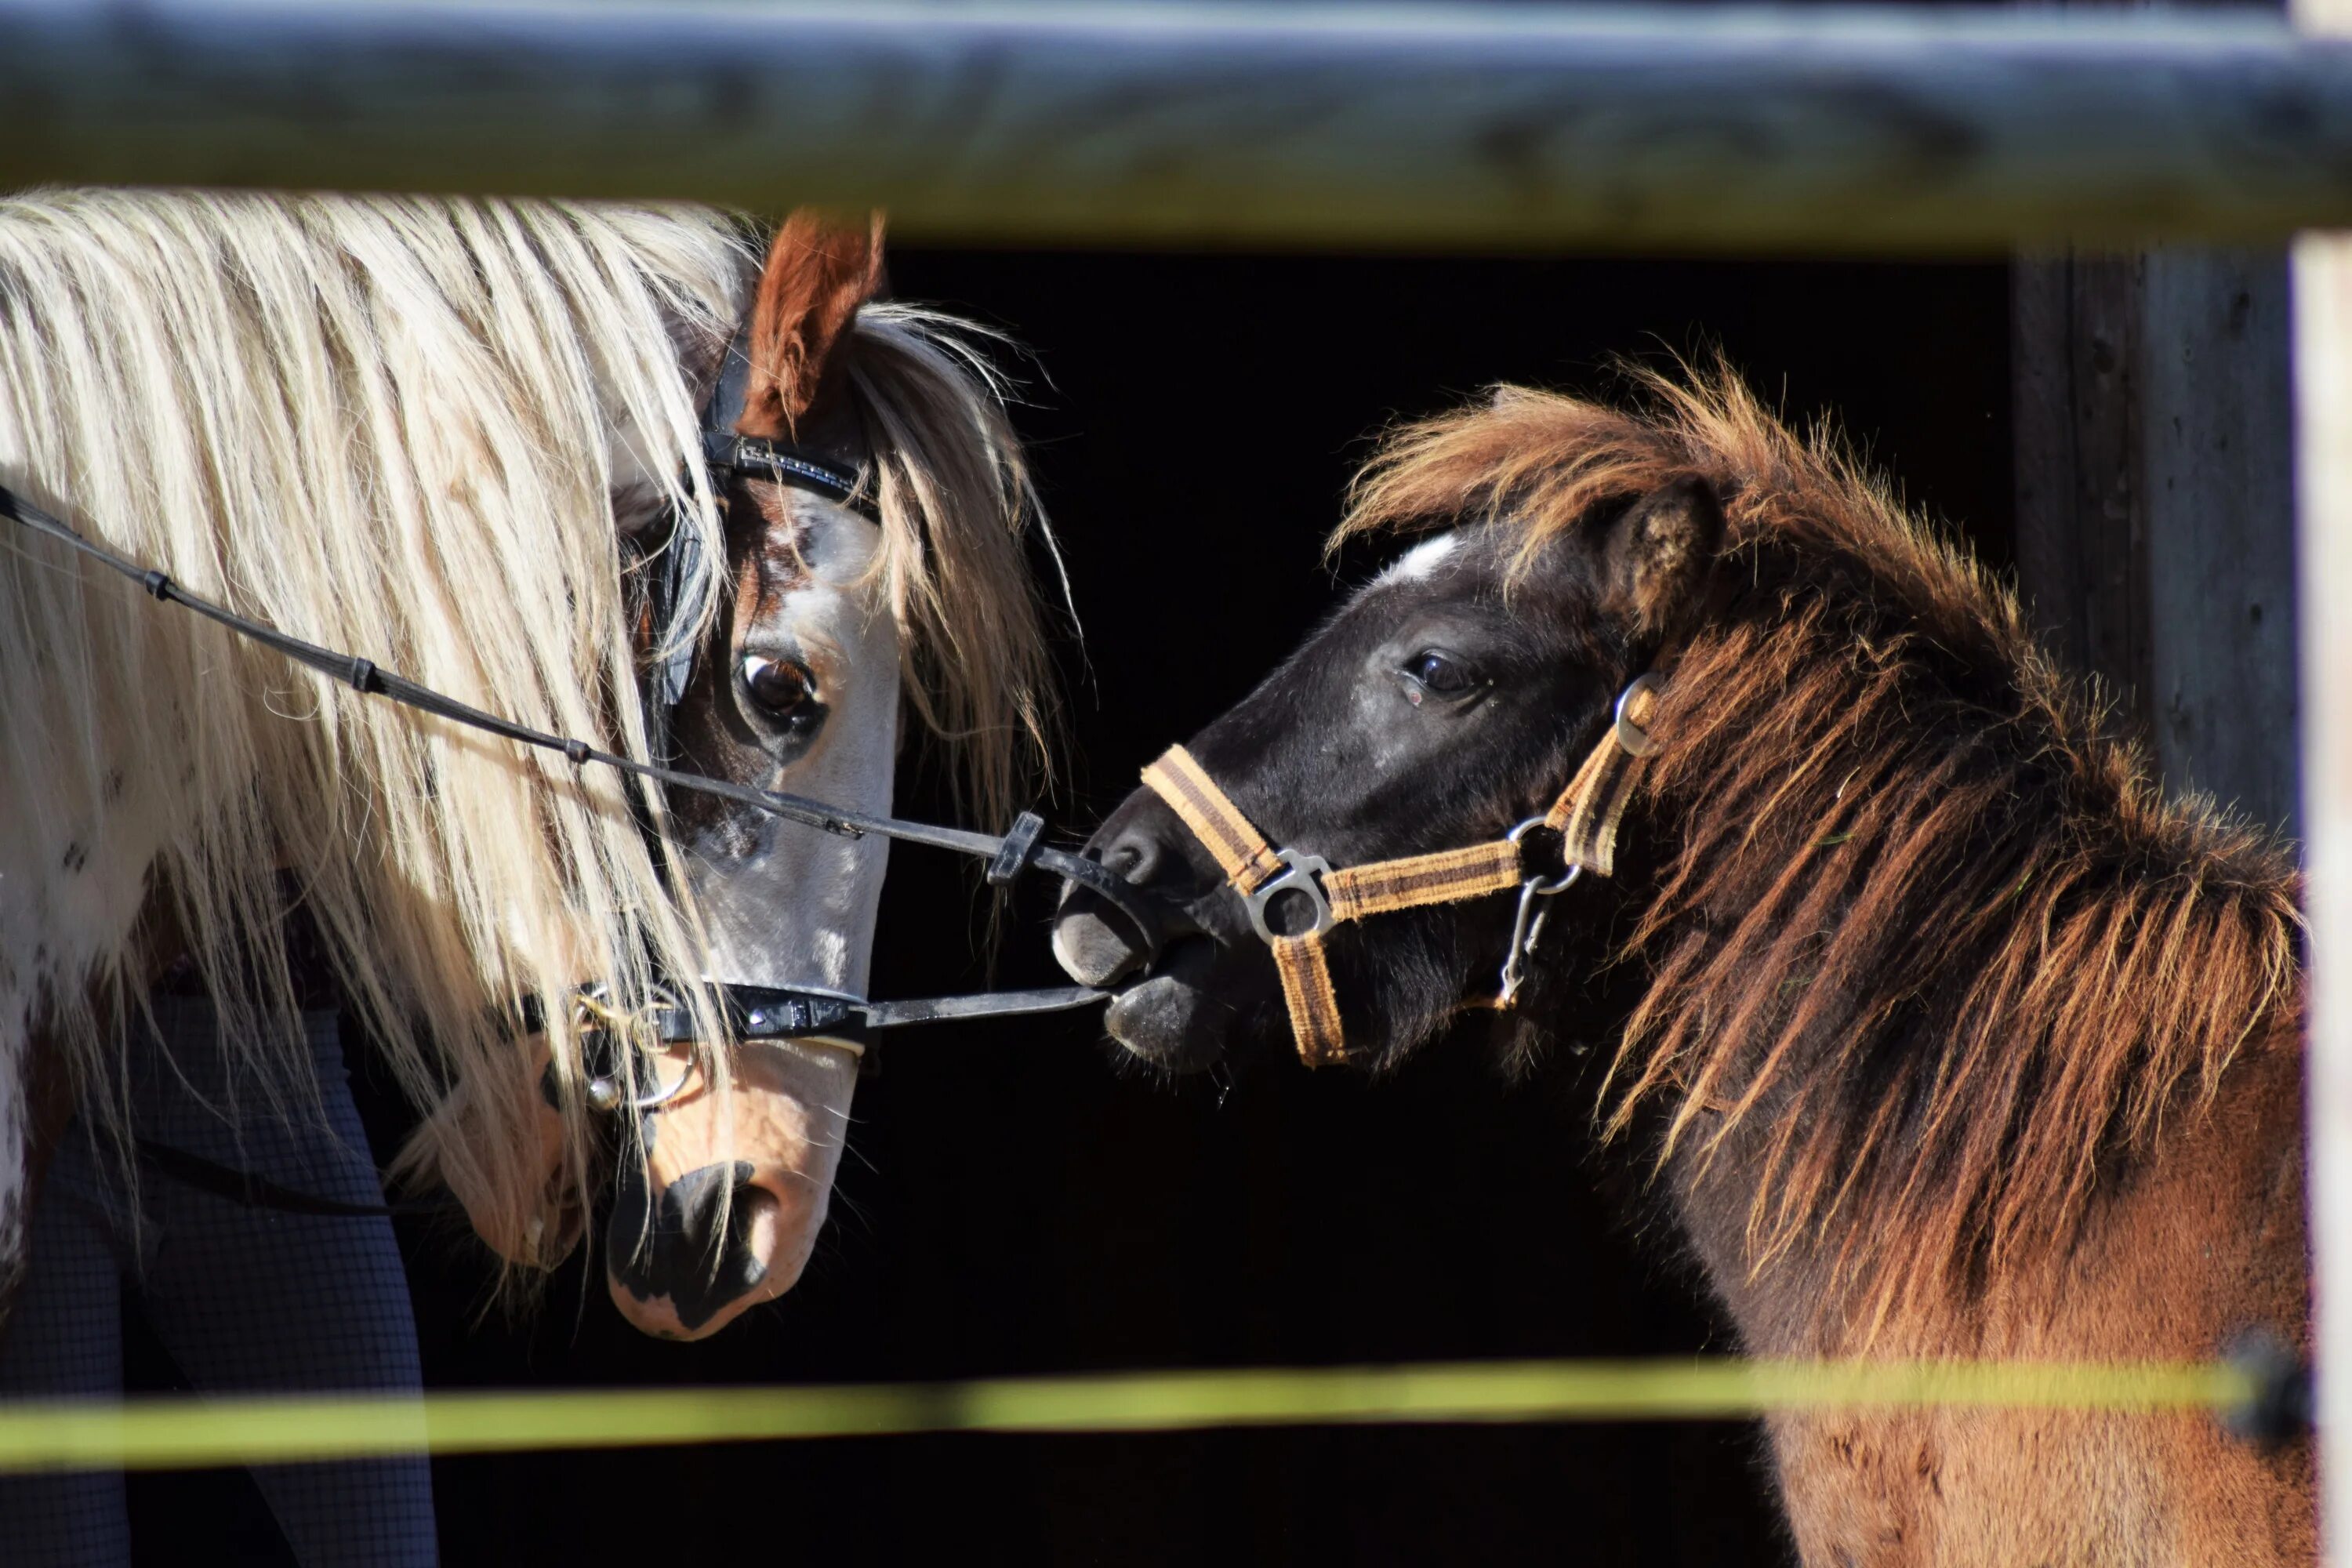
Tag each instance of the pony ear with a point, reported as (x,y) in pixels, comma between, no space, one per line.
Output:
(1658,553)
(818,272)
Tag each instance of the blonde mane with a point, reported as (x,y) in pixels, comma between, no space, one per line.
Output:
(399,425)
(1933,961)
(954,497)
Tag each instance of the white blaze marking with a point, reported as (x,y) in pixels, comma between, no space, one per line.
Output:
(1423,559)
(799,908)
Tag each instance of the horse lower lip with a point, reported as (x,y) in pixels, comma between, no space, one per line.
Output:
(1168,1018)
(1137,1008)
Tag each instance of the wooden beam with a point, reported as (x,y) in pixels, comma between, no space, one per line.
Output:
(2154,510)
(2217,472)
(1632,127)
(2324,444)
(2081,533)
(2323,454)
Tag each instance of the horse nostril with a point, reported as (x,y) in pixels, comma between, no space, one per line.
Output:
(674,1247)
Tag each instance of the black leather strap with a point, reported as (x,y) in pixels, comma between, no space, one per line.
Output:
(754,459)
(786,1013)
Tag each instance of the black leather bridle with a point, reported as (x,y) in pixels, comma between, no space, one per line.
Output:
(754,1012)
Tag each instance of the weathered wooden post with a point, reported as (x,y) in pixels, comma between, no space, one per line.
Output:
(2323,366)
(2155,505)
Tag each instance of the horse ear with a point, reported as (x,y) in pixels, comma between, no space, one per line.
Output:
(1658,553)
(819,272)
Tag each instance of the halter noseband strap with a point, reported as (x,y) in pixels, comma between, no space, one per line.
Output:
(1586,816)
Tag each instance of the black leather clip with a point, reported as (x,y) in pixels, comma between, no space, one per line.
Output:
(1020,844)
(759,1012)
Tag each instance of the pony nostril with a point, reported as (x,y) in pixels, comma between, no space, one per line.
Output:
(1098,942)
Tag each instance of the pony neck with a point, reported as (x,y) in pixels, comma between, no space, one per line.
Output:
(1933,968)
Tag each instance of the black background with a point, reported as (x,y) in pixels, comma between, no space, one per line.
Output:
(1013,1200)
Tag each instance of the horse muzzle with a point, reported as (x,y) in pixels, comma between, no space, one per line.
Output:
(724,1210)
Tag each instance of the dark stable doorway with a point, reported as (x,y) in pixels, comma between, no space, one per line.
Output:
(1015,1201)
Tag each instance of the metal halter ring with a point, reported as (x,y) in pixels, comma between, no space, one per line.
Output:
(635,1033)
(604,1097)
(1538,885)
(1299,874)
(1526,921)
(1636,741)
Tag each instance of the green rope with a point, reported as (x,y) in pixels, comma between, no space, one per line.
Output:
(169,1433)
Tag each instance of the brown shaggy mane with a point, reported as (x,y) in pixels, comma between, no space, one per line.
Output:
(1932,958)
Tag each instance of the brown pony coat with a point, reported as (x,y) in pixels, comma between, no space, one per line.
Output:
(1962,1039)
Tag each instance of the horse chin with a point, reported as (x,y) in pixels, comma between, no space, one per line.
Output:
(1170,1017)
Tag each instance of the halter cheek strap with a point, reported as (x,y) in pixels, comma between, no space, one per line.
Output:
(1587,811)
(1586,816)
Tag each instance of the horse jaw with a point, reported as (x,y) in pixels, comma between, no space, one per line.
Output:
(788,906)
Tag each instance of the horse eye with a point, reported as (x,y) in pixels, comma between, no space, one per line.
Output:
(1431,670)
(782,686)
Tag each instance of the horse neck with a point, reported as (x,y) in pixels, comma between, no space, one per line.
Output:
(1926,978)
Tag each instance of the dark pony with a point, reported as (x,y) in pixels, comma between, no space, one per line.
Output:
(1948,1034)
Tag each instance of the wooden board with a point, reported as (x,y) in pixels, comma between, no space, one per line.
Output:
(2155,528)
(1602,127)
(2323,435)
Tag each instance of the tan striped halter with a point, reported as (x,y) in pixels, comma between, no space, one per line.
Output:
(1585,816)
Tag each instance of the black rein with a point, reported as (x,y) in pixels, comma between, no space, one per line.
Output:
(764,1013)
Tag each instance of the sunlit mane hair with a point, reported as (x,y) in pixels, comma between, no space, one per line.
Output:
(955,498)
(1932,958)
(399,426)
(388,424)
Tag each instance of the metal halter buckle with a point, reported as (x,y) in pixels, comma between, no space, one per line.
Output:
(1636,741)
(1299,874)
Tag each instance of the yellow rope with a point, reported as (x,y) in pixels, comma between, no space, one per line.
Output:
(168,1433)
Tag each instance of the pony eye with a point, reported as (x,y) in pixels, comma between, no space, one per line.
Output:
(1443,674)
(782,686)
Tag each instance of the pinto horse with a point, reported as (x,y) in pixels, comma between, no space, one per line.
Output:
(1947,1034)
(464,438)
